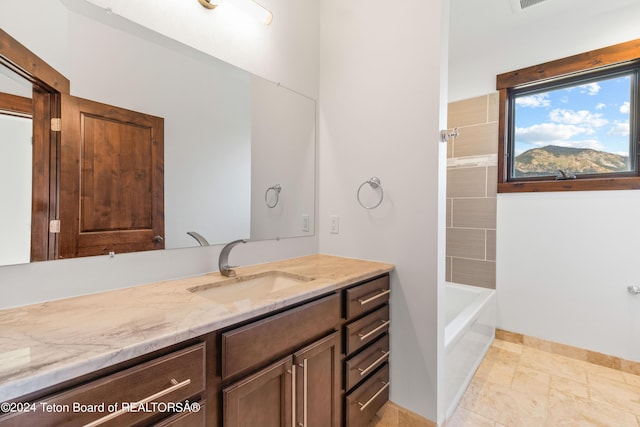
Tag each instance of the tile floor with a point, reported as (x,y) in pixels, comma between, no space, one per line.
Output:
(521,386)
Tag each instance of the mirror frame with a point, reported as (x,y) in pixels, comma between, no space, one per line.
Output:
(48,84)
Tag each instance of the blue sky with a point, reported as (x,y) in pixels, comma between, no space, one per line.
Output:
(593,115)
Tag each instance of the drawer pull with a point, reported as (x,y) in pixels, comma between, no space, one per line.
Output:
(373,298)
(364,371)
(368,402)
(176,386)
(363,337)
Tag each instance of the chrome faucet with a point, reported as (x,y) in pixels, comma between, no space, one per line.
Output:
(223,261)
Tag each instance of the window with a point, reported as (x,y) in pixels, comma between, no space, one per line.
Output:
(574,128)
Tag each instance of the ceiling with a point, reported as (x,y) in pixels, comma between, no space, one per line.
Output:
(475,22)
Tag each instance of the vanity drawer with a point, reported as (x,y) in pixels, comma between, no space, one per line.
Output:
(156,385)
(366,296)
(261,341)
(362,364)
(363,403)
(367,329)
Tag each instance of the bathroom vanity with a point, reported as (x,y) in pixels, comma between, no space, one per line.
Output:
(301,342)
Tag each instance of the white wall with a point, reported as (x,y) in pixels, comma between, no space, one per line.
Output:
(286,51)
(380,95)
(564,260)
(564,263)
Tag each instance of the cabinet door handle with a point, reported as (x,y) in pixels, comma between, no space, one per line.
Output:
(364,371)
(304,393)
(363,337)
(176,386)
(364,405)
(293,395)
(373,298)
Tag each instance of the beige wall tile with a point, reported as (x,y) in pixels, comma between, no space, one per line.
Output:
(448,269)
(448,212)
(466,182)
(467,112)
(474,213)
(476,140)
(466,243)
(492,181)
(474,272)
(493,107)
(491,245)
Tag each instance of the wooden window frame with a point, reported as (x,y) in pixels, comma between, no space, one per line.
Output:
(591,61)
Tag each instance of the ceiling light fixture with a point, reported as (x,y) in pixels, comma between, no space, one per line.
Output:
(208,4)
(249,7)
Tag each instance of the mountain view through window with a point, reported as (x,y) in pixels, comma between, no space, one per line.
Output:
(573,130)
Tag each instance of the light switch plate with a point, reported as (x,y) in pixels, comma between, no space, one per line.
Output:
(334,224)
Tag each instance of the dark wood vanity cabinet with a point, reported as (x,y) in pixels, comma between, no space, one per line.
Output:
(169,390)
(366,350)
(300,389)
(322,363)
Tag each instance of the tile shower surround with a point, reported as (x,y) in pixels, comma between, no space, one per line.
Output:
(471,192)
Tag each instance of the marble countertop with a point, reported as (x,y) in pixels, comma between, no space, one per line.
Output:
(44,344)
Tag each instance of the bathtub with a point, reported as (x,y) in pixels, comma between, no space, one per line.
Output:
(470,320)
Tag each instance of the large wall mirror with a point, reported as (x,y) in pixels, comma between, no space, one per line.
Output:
(230,138)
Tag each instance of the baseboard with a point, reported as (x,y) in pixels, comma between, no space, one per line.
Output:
(394,415)
(594,357)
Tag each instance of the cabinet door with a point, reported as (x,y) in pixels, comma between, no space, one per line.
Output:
(263,399)
(111,189)
(317,393)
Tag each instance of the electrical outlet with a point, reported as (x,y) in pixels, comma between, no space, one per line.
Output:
(334,224)
(305,222)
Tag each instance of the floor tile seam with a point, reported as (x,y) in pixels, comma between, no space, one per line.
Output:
(613,382)
(628,381)
(614,406)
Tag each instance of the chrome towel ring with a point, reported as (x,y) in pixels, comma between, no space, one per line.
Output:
(276,191)
(374,182)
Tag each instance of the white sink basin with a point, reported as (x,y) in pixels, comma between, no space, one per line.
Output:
(257,286)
